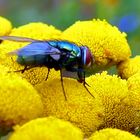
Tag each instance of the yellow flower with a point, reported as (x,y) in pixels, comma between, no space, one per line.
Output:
(19,101)
(120,111)
(81,108)
(49,128)
(5,26)
(32,30)
(134,89)
(112,134)
(107,44)
(129,67)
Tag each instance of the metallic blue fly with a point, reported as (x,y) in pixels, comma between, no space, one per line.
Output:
(53,54)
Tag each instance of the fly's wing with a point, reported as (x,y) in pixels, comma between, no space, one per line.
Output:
(18,39)
(69,74)
(74,74)
(38,48)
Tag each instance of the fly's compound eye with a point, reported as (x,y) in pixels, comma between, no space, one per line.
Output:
(87,58)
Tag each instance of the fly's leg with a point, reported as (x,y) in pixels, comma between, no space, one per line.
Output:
(22,70)
(84,84)
(62,84)
(87,84)
(47,74)
(81,76)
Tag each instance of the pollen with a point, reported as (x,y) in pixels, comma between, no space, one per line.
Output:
(49,128)
(121,111)
(107,44)
(39,31)
(112,134)
(5,26)
(129,67)
(19,101)
(80,108)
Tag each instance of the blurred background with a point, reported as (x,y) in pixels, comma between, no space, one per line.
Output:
(125,14)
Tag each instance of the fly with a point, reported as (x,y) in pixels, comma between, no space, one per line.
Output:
(57,54)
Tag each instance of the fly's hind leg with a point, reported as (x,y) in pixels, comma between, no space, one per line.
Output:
(22,70)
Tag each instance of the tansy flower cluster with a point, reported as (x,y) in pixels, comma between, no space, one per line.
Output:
(81,108)
(49,128)
(129,67)
(5,26)
(32,108)
(19,101)
(112,134)
(121,106)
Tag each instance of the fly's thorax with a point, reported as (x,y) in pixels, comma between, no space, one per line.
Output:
(86,57)
(71,52)
(70,48)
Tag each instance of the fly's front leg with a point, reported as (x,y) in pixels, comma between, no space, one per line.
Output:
(62,84)
(81,75)
(47,74)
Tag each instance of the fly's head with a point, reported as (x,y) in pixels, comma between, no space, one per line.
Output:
(87,59)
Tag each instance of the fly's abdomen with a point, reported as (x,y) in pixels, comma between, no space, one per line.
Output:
(36,60)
